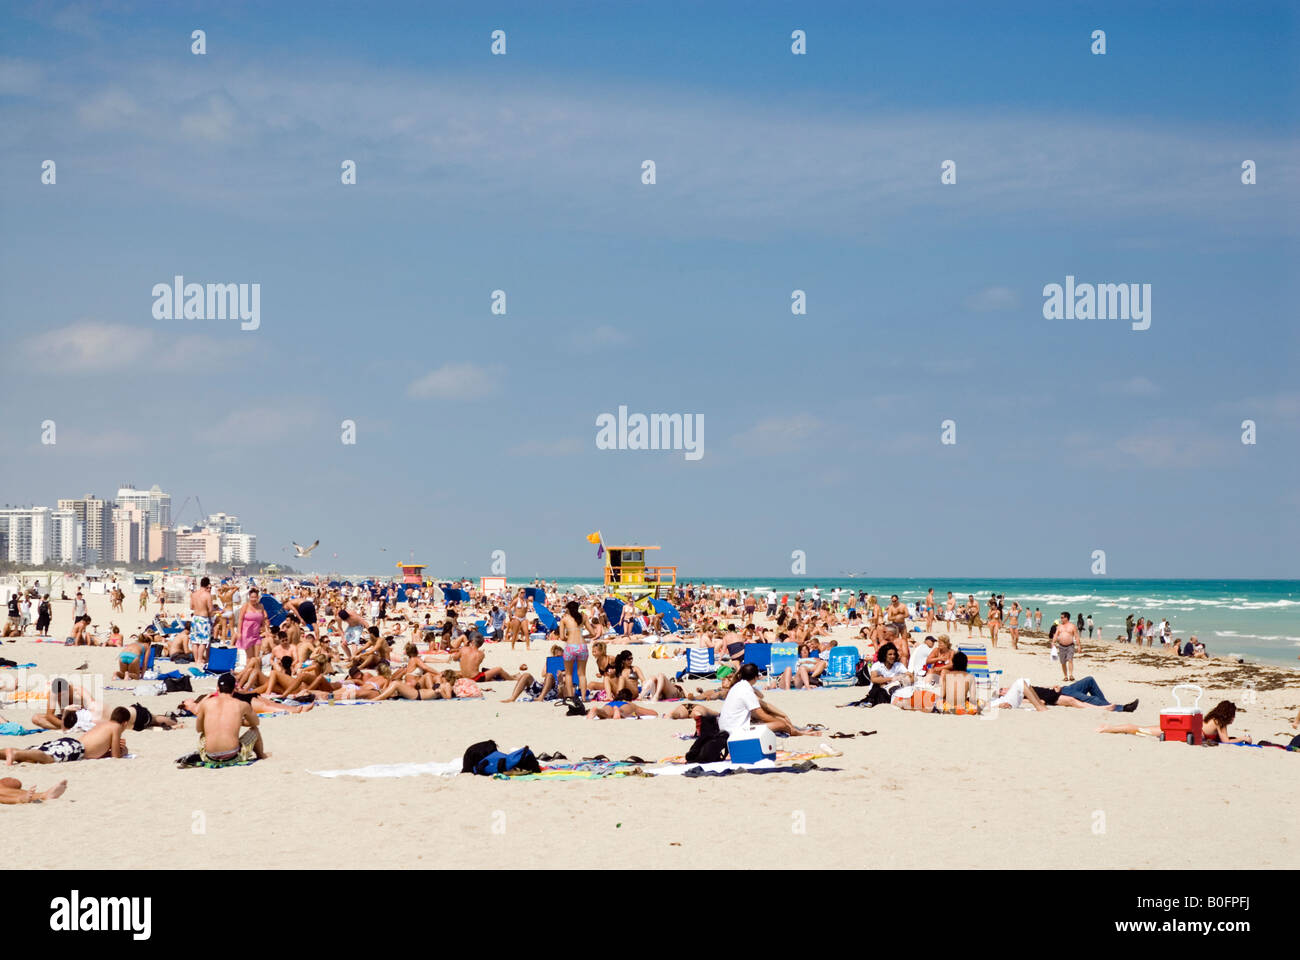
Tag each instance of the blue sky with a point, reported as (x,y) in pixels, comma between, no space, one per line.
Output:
(775,172)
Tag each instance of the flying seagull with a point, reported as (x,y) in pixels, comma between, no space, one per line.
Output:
(305,551)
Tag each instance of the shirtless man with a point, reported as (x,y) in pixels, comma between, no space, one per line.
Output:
(60,700)
(104,739)
(201,622)
(471,663)
(219,721)
(1067,645)
(897,615)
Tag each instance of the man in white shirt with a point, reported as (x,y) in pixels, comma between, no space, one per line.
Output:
(771,603)
(744,708)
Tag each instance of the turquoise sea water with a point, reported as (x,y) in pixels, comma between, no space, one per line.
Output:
(1257,619)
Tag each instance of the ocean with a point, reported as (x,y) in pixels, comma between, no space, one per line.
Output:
(1255,619)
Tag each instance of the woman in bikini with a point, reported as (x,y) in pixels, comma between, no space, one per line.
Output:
(1013,624)
(575,646)
(515,626)
(1214,726)
(995,621)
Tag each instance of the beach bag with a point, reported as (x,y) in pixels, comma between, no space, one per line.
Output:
(178,684)
(710,744)
(575,707)
(496,762)
(476,752)
(864,673)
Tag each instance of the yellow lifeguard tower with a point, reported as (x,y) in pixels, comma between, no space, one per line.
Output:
(628,577)
(412,573)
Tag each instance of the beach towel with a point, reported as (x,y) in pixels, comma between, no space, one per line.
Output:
(195,760)
(17,730)
(449,768)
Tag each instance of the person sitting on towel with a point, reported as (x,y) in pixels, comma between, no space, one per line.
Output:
(744,707)
(219,721)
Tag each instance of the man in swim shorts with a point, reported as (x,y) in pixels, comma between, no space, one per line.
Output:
(218,722)
(201,622)
(102,740)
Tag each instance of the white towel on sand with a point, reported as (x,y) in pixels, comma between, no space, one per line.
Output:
(448,769)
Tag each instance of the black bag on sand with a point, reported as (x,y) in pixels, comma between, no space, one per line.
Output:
(576,707)
(178,684)
(475,753)
(710,744)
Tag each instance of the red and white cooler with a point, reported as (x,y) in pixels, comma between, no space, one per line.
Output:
(1180,723)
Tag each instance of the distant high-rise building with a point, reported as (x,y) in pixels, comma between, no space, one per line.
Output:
(162,544)
(197,546)
(130,534)
(153,502)
(238,548)
(66,536)
(224,523)
(96,520)
(29,534)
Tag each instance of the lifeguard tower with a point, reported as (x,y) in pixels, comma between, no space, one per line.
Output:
(412,573)
(629,578)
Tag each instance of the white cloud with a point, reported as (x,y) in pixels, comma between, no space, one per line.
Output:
(780,432)
(727,166)
(92,347)
(564,447)
(267,423)
(603,337)
(992,299)
(1135,387)
(108,109)
(461,381)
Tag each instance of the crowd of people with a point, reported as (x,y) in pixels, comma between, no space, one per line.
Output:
(336,642)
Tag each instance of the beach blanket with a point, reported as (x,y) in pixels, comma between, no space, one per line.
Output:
(18,666)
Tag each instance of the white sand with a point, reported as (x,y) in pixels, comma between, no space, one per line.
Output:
(1016,788)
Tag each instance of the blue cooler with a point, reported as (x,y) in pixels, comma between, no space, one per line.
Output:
(752,745)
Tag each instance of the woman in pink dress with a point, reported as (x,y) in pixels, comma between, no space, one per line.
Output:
(250,622)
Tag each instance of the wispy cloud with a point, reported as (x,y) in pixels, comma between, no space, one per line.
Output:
(1134,387)
(781,432)
(602,338)
(456,381)
(725,166)
(993,299)
(563,447)
(93,347)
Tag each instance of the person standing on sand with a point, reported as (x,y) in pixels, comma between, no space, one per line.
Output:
(250,623)
(1067,644)
(575,648)
(201,622)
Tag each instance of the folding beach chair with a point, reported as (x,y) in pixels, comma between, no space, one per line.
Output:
(221,659)
(700,665)
(759,654)
(555,665)
(842,668)
(785,656)
(977,665)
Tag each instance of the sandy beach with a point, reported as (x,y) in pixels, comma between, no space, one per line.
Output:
(1012,788)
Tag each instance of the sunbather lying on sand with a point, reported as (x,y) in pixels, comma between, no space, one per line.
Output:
(1214,726)
(1082,693)
(102,740)
(11,791)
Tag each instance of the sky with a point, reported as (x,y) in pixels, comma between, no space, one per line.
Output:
(774,172)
